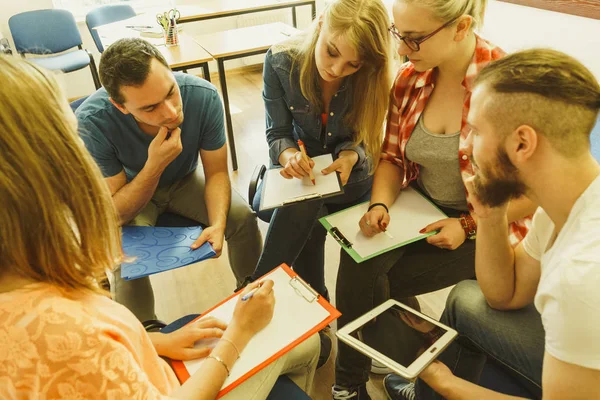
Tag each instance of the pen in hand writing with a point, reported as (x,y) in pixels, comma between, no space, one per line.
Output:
(384,230)
(305,156)
(249,295)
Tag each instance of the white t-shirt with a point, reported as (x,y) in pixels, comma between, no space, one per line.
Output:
(568,295)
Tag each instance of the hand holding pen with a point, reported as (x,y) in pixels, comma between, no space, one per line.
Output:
(295,164)
(374,221)
(305,156)
(254,313)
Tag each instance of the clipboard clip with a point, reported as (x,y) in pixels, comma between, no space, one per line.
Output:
(302,198)
(339,236)
(304,289)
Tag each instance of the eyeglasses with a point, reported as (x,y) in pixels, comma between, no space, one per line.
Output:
(415,44)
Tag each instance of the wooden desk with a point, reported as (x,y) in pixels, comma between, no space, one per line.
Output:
(188,54)
(237,43)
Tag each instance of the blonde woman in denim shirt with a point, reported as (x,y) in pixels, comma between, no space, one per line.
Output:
(328,87)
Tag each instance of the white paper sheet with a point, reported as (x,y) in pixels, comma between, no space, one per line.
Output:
(279,190)
(408,215)
(292,318)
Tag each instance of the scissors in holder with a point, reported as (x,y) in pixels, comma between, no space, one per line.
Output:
(174,14)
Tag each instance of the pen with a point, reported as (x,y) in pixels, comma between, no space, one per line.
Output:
(385,231)
(303,150)
(249,295)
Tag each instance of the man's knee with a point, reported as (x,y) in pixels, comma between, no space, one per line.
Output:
(240,218)
(465,305)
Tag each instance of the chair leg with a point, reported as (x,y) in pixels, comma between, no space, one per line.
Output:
(94,71)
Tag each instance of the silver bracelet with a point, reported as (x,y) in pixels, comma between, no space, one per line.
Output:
(221,361)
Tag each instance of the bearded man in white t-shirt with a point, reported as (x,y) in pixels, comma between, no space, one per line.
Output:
(533,316)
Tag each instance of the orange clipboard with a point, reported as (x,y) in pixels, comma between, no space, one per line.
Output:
(183,374)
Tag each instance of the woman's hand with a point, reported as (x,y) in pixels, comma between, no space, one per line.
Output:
(374,221)
(344,164)
(179,345)
(294,164)
(450,236)
(252,315)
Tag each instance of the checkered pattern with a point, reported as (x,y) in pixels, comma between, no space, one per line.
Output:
(409,96)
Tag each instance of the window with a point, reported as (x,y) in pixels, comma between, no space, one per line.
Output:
(80,8)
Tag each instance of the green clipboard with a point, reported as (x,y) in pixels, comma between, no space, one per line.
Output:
(354,213)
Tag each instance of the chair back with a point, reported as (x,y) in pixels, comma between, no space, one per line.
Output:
(595,140)
(105,15)
(44,31)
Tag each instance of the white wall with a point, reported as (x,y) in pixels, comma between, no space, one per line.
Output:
(511,26)
(515,27)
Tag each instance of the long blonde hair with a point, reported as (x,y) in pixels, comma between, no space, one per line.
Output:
(364,24)
(58,224)
(447,10)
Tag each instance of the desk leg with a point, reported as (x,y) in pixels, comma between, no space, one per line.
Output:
(313,9)
(223,81)
(205,71)
(294,22)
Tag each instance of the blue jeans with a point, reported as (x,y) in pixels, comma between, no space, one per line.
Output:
(296,237)
(511,340)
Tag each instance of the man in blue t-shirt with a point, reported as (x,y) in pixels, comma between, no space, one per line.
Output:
(145,128)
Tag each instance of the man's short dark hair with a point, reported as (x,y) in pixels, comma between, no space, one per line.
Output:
(126,62)
(547,90)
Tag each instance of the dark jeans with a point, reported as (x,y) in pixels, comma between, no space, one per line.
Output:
(511,340)
(179,323)
(296,236)
(411,270)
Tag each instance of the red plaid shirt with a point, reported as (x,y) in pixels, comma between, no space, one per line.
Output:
(409,96)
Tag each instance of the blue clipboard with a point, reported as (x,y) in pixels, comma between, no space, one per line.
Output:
(158,249)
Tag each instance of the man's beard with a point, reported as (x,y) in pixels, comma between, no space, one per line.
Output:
(501,183)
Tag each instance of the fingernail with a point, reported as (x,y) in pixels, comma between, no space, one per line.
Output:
(422,230)
(323,172)
(384,225)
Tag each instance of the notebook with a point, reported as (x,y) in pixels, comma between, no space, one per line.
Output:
(278,191)
(158,249)
(299,313)
(410,213)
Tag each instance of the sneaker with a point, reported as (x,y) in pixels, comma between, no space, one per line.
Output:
(325,347)
(379,369)
(353,393)
(398,388)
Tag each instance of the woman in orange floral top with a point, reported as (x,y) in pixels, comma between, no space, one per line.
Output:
(425,134)
(60,335)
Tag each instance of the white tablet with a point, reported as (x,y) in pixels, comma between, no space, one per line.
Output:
(401,338)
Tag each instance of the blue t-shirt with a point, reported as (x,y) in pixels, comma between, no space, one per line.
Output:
(116,142)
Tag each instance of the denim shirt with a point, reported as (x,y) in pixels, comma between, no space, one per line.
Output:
(290,117)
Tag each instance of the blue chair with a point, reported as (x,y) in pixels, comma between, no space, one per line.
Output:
(49,32)
(595,140)
(105,15)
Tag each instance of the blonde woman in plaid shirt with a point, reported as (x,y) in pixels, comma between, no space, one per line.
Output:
(423,147)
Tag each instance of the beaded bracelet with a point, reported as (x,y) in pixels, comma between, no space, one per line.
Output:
(379,204)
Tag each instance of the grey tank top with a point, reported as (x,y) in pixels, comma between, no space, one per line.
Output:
(439,171)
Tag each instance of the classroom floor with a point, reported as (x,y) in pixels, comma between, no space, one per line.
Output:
(195,288)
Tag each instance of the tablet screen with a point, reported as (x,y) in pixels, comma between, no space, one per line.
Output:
(399,334)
